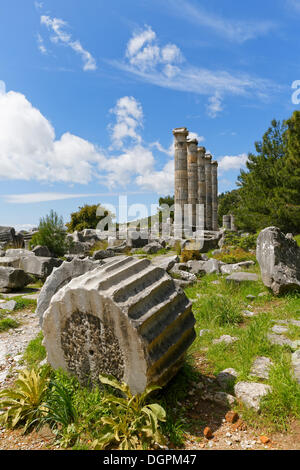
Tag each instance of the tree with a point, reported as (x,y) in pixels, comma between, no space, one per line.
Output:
(169,201)
(51,233)
(270,189)
(260,186)
(290,175)
(228,203)
(86,217)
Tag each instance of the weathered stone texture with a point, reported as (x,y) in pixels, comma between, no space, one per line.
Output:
(126,318)
(59,278)
(12,279)
(279,260)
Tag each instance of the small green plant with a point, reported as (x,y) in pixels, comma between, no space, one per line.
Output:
(61,415)
(24,403)
(52,234)
(133,424)
(235,255)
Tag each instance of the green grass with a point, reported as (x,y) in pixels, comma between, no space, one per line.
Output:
(218,309)
(7,324)
(22,303)
(35,351)
(297,238)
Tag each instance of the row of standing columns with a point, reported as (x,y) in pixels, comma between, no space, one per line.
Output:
(196,183)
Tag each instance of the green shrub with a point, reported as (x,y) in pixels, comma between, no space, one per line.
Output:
(52,234)
(133,424)
(246,243)
(86,217)
(24,403)
(235,255)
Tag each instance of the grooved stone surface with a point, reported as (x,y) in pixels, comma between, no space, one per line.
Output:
(126,318)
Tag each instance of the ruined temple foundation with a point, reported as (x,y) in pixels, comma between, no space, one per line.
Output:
(196,185)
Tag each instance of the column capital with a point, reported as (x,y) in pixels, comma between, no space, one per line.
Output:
(180,131)
(208,156)
(215,163)
(192,142)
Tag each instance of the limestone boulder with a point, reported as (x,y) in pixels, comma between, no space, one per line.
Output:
(10,261)
(59,277)
(41,251)
(39,266)
(12,279)
(126,318)
(7,234)
(165,262)
(230,268)
(242,277)
(204,267)
(251,393)
(80,248)
(152,248)
(138,239)
(279,259)
(18,253)
(102,254)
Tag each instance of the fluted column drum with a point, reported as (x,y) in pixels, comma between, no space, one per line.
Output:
(214,176)
(192,165)
(208,179)
(181,174)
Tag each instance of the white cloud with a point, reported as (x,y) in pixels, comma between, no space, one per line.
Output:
(129,116)
(41,45)
(31,198)
(38,5)
(214,106)
(161,181)
(61,36)
(144,52)
(233,30)
(29,150)
(2,88)
(136,160)
(146,59)
(234,162)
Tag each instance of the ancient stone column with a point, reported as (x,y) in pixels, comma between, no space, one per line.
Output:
(127,318)
(208,180)
(181,176)
(192,167)
(214,177)
(201,187)
(232,223)
(227,222)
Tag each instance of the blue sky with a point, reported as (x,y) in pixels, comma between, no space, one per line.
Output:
(90,93)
